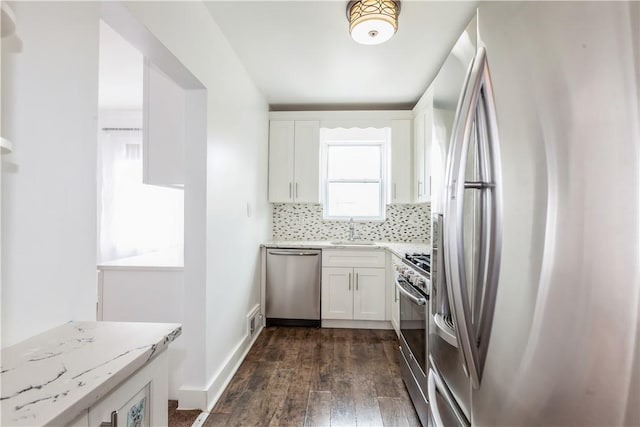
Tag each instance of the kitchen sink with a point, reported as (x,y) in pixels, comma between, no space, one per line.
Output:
(353,243)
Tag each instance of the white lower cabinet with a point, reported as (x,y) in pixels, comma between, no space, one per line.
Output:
(139,401)
(337,294)
(354,292)
(369,296)
(394,298)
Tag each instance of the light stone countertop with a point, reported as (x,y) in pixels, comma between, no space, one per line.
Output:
(397,248)
(51,378)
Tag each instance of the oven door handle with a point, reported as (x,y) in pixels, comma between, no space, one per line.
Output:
(413,298)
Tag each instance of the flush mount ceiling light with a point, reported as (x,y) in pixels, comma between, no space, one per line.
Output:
(373,21)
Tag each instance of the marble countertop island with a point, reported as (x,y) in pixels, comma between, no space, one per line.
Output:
(51,378)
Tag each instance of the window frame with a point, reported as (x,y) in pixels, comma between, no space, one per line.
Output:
(351,139)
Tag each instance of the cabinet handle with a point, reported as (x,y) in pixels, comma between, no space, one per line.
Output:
(349,281)
(296,190)
(395,191)
(395,294)
(113,422)
(419,188)
(289,190)
(356,281)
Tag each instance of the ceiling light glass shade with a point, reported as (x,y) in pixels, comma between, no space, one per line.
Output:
(373,21)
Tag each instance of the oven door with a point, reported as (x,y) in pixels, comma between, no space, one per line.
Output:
(413,323)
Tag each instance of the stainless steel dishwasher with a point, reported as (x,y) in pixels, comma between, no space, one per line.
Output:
(293,287)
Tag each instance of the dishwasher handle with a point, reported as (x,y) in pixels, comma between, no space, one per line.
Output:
(302,253)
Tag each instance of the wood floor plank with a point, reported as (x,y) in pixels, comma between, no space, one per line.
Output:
(317,377)
(392,354)
(392,411)
(276,393)
(343,405)
(386,385)
(235,388)
(217,420)
(366,401)
(318,409)
(325,363)
(293,410)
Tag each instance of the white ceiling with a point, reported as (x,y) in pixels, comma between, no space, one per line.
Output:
(300,54)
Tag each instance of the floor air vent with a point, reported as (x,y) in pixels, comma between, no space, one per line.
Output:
(254,320)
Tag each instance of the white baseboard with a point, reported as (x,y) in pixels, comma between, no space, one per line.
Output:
(357,324)
(205,400)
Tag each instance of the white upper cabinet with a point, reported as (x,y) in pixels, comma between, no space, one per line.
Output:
(294,155)
(307,162)
(164,129)
(423,125)
(400,162)
(281,161)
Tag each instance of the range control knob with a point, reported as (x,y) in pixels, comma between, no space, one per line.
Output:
(400,268)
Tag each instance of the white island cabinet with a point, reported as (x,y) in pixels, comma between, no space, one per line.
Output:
(88,374)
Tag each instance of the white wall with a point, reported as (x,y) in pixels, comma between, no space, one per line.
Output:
(222,279)
(49,99)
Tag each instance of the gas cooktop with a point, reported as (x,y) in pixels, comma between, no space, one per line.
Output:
(420,261)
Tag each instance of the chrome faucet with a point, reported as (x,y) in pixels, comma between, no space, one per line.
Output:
(352,228)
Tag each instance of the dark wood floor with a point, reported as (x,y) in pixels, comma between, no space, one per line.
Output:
(317,377)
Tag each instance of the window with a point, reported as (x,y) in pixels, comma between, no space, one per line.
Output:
(353,172)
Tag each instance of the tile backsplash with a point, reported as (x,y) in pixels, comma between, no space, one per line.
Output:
(404,223)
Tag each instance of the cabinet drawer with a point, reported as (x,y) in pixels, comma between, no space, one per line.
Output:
(353,258)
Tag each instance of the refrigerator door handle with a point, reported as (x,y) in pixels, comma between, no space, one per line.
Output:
(436,387)
(433,404)
(473,324)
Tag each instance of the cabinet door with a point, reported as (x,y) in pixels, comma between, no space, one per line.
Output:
(423,130)
(392,293)
(281,140)
(337,293)
(141,400)
(400,161)
(307,162)
(428,136)
(418,156)
(395,311)
(369,300)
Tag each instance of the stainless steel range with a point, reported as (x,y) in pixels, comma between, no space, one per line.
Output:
(414,286)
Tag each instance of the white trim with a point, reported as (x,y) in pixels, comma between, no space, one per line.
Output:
(374,116)
(100,305)
(192,398)
(199,422)
(357,324)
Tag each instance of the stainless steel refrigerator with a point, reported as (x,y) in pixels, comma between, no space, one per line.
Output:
(536,314)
